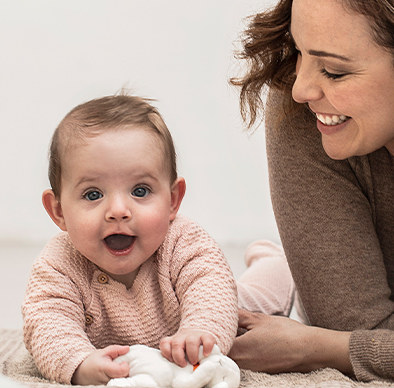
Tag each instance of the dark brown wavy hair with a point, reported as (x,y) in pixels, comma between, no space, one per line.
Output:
(271,57)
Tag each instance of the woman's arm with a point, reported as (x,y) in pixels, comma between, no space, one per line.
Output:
(276,344)
(327,221)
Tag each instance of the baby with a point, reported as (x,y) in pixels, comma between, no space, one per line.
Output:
(126,269)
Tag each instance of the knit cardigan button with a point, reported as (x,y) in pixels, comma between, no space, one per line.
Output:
(88,319)
(102,278)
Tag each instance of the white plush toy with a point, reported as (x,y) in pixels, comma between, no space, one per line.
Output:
(149,369)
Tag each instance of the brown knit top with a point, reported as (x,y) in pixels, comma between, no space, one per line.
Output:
(336,223)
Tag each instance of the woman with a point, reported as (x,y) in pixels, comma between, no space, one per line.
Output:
(330,154)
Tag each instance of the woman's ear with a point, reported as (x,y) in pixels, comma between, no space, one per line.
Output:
(54,208)
(178,190)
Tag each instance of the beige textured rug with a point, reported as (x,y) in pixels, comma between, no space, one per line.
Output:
(17,364)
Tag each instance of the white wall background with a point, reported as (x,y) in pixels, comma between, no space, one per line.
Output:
(56,54)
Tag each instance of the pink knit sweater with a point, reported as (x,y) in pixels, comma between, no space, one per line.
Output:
(72,307)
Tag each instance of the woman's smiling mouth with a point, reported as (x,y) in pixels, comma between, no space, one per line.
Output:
(331,119)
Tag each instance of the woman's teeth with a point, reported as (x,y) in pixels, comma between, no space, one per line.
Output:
(331,120)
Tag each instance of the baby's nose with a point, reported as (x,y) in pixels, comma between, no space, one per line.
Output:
(118,210)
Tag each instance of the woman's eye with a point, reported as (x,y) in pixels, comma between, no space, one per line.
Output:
(93,195)
(331,75)
(140,192)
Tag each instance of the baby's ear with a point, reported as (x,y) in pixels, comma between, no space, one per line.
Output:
(54,208)
(178,190)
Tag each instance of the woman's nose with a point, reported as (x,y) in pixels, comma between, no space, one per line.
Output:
(118,209)
(306,87)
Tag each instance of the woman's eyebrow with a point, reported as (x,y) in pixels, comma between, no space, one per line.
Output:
(320,53)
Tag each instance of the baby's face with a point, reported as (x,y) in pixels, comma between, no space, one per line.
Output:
(117,199)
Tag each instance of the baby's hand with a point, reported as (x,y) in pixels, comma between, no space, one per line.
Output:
(186,342)
(99,367)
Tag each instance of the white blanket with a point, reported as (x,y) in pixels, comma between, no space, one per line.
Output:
(17,364)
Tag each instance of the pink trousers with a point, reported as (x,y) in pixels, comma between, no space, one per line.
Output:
(267,285)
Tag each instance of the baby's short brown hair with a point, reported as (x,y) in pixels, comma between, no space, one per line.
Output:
(106,113)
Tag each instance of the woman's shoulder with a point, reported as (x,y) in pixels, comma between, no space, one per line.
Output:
(292,139)
(289,123)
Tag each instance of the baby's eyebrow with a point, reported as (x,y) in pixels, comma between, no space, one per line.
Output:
(85,180)
(146,176)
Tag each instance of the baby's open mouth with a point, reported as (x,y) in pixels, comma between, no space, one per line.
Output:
(119,242)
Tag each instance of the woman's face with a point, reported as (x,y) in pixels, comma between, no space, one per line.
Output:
(346,79)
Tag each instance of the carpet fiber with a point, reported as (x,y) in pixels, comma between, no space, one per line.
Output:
(17,364)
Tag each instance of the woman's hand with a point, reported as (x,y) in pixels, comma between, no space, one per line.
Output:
(276,344)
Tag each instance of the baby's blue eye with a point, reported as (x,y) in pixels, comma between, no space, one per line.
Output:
(93,195)
(140,192)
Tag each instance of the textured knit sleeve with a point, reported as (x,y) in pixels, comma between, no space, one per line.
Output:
(53,312)
(203,282)
(329,235)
